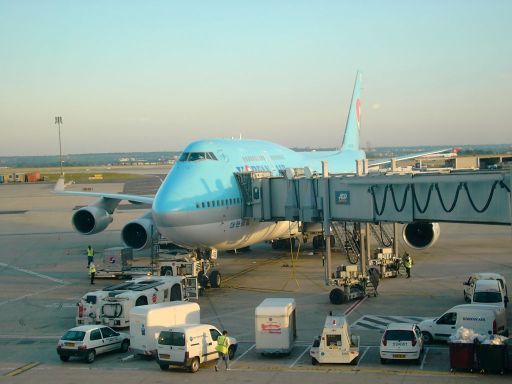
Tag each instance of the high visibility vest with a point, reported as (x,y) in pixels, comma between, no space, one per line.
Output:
(92,268)
(408,262)
(90,252)
(222,344)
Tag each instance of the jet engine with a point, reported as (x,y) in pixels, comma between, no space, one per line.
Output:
(138,233)
(91,219)
(421,235)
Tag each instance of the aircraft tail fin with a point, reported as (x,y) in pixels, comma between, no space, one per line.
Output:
(351,136)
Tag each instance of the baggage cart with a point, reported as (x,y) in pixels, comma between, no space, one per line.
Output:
(462,356)
(492,357)
(508,343)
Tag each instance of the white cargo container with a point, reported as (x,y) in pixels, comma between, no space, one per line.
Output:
(276,328)
(146,322)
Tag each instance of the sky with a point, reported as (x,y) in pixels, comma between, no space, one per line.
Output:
(156,75)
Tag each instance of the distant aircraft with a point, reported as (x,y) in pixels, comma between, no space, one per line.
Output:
(199,204)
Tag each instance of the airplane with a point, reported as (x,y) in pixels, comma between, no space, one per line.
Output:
(199,204)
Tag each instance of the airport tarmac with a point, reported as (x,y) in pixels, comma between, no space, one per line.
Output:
(43,274)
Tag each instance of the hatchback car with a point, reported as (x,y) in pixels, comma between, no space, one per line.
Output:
(87,341)
(401,341)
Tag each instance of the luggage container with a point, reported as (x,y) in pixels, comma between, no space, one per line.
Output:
(33,177)
(462,356)
(335,345)
(117,259)
(491,357)
(508,343)
(275,323)
(146,322)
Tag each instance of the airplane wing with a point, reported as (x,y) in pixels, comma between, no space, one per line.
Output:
(60,188)
(373,163)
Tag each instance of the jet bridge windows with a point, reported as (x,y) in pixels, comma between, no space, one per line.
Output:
(195,156)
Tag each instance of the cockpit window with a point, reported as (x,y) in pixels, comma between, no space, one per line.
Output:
(194,156)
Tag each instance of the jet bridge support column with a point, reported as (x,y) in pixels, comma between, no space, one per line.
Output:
(326,221)
(395,239)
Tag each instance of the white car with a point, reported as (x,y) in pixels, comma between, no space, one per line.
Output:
(401,341)
(87,341)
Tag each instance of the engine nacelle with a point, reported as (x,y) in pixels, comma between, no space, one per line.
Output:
(137,233)
(419,235)
(91,219)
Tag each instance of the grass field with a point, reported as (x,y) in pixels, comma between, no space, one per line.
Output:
(82,174)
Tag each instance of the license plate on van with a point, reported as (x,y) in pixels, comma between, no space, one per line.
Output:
(399,356)
(165,356)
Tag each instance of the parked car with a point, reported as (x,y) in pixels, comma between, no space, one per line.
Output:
(189,345)
(469,285)
(482,318)
(401,341)
(489,292)
(87,341)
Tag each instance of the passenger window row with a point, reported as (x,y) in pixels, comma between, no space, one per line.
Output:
(219,203)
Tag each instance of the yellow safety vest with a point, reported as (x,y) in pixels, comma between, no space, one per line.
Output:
(408,262)
(92,268)
(90,252)
(222,344)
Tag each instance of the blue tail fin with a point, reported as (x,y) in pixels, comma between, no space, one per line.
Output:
(351,136)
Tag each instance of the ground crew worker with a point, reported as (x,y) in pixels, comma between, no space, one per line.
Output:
(92,271)
(222,348)
(408,264)
(90,255)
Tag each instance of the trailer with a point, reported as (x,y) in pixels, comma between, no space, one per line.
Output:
(335,345)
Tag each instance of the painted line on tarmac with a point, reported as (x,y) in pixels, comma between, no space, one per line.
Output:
(25,337)
(129,357)
(31,294)
(363,355)
(300,356)
(424,358)
(354,306)
(243,354)
(59,281)
(22,369)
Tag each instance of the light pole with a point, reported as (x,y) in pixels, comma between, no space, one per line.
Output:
(58,121)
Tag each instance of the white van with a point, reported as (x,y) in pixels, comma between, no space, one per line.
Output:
(146,322)
(483,319)
(190,345)
(469,285)
(489,292)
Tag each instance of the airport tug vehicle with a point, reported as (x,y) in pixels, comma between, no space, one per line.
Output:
(352,285)
(336,345)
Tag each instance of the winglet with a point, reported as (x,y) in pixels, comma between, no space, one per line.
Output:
(59,185)
(351,136)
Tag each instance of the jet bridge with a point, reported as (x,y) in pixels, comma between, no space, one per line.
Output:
(463,197)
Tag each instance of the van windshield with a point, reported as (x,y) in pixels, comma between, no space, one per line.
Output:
(487,297)
(172,338)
